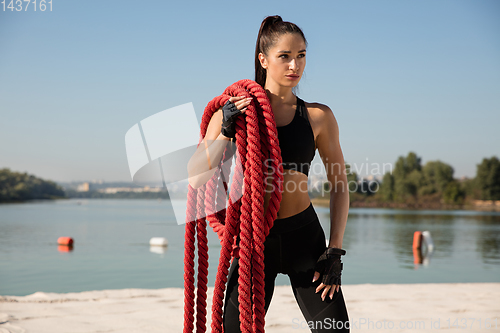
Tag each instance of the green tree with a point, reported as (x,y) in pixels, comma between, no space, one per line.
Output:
(436,177)
(453,194)
(16,186)
(470,188)
(407,177)
(488,178)
(387,187)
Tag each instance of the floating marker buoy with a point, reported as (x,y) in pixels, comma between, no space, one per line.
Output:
(65,241)
(65,244)
(427,239)
(158,249)
(417,247)
(158,241)
(417,239)
(65,248)
(417,256)
(422,247)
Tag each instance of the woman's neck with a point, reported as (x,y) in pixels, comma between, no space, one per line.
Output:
(280,95)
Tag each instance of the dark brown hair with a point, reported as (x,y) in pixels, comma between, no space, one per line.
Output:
(271,29)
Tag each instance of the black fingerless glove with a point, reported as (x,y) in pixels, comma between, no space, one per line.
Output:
(330,266)
(229,114)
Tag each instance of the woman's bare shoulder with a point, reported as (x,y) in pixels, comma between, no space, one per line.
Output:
(318,110)
(320,116)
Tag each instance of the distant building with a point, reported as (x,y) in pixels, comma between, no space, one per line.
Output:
(83,187)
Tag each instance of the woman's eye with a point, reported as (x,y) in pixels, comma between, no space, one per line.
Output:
(283,56)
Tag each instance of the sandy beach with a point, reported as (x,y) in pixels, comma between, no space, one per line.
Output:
(466,307)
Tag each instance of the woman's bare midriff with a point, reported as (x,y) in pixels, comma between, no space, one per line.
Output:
(295,196)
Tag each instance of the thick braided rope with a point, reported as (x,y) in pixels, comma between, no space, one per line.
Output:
(256,222)
(189,242)
(201,296)
(256,138)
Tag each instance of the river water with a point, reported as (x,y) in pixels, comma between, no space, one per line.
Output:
(111,249)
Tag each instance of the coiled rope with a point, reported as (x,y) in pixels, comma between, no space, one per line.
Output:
(256,139)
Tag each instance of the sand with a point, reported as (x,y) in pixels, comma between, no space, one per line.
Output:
(461,307)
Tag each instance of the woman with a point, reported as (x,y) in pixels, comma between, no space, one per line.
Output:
(296,243)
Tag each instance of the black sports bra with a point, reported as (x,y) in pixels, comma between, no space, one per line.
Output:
(296,141)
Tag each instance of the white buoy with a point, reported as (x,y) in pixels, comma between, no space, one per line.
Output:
(158,241)
(427,239)
(158,249)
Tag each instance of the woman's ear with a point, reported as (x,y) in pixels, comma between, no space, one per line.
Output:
(263,60)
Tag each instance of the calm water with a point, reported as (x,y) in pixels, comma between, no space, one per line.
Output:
(112,246)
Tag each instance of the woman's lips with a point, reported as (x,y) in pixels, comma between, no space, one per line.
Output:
(292,77)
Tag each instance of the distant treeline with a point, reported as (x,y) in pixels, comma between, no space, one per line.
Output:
(433,183)
(16,186)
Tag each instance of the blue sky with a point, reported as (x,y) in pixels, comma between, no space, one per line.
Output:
(400,76)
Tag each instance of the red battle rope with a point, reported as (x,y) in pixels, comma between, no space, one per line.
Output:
(256,139)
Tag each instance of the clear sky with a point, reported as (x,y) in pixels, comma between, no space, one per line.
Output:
(400,76)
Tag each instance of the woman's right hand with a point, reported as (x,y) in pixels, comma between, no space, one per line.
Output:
(234,106)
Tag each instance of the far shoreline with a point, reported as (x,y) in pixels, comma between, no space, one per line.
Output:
(325,202)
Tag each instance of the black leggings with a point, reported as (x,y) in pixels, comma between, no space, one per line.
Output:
(292,247)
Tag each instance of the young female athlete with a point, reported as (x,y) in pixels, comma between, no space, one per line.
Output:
(296,243)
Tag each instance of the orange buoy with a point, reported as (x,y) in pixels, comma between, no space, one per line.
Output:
(417,239)
(68,241)
(417,247)
(65,248)
(417,256)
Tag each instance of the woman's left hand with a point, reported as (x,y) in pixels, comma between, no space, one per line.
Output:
(330,266)
(327,287)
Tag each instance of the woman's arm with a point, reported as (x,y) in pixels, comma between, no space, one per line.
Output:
(210,151)
(202,165)
(329,149)
(331,153)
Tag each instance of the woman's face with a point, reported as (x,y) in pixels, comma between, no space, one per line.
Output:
(286,61)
